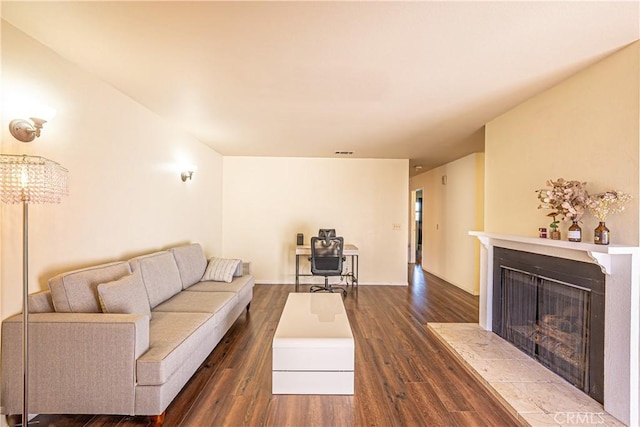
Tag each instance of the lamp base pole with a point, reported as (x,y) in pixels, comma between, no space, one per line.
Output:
(24,421)
(25,313)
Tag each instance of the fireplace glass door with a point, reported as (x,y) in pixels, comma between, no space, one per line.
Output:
(553,310)
(549,320)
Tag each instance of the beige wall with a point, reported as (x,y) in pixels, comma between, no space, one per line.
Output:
(586,128)
(449,212)
(267,201)
(126,196)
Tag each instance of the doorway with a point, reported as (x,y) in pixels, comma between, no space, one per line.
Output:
(418,208)
(415,239)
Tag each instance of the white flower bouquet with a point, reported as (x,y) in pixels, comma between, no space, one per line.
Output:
(602,205)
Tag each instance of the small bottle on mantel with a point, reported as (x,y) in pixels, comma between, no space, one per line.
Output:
(575,232)
(601,236)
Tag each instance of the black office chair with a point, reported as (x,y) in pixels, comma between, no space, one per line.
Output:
(326,260)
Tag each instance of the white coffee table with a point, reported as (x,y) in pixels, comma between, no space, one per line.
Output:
(313,347)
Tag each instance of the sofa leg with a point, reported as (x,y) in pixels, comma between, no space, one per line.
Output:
(248,305)
(157,420)
(14,420)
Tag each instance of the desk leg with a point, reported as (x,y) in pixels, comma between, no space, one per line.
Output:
(354,268)
(297,272)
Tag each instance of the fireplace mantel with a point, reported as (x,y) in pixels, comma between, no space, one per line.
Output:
(620,264)
(598,254)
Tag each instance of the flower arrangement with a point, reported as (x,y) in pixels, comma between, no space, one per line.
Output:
(602,205)
(569,200)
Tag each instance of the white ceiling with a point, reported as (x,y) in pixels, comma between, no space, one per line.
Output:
(414,80)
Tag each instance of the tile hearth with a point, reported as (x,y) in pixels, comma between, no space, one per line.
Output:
(534,395)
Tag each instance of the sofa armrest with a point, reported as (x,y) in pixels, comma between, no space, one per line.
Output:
(78,362)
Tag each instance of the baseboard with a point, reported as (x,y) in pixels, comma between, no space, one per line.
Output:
(451,282)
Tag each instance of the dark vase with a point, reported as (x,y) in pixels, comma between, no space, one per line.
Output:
(575,232)
(601,234)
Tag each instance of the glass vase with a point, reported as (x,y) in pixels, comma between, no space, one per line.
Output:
(555,234)
(575,232)
(601,234)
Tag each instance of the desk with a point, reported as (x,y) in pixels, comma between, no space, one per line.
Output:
(349,250)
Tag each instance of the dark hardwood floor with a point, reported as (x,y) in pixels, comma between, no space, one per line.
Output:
(404,376)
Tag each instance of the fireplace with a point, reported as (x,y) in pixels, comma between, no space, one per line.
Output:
(621,268)
(553,310)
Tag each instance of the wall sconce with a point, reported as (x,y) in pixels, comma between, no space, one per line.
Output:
(26,130)
(186,175)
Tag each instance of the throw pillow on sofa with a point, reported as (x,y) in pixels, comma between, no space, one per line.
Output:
(221,269)
(126,295)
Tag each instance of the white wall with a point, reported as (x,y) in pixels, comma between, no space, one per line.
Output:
(124,162)
(267,201)
(586,128)
(449,212)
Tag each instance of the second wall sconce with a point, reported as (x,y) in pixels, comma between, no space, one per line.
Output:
(186,175)
(26,130)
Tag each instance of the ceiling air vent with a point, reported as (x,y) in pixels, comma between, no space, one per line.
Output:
(344,153)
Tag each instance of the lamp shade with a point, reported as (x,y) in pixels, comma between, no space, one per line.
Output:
(31,179)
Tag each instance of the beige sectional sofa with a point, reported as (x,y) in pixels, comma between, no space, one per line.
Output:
(124,337)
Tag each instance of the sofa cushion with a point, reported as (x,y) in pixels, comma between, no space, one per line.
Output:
(237,285)
(77,291)
(239,270)
(126,295)
(241,286)
(221,269)
(160,275)
(41,302)
(172,338)
(199,302)
(191,262)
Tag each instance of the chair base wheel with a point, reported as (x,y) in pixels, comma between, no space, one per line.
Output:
(332,289)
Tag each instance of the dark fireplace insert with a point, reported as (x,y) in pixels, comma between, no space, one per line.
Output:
(553,310)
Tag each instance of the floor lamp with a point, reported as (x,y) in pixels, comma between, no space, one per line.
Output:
(29,179)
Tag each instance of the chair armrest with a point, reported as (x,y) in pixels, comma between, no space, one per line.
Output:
(78,362)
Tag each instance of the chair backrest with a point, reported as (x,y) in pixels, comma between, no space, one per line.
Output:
(325,233)
(326,256)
